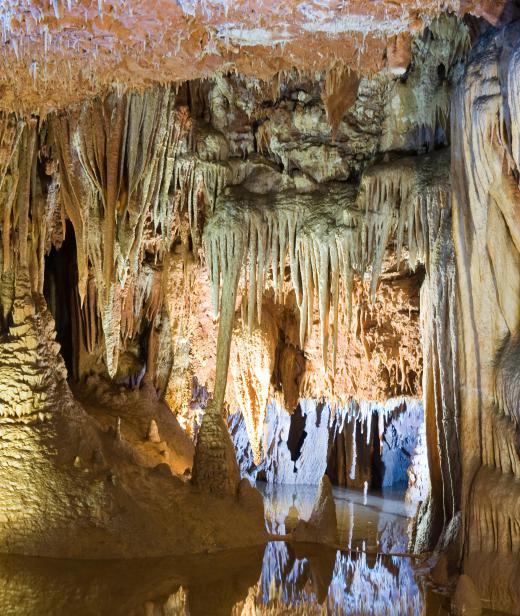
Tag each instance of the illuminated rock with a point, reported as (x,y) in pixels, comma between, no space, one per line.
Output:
(322,526)
(466,600)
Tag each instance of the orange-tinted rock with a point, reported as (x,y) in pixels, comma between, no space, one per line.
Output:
(56,53)
(252,365)
(399,53)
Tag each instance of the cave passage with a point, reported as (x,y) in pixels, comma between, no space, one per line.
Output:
(60,292)
(363,446)
(297,434)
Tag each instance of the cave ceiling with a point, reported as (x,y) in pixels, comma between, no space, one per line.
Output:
(57,52)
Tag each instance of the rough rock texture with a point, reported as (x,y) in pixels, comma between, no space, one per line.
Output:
(71,489)
(301,177)
(105,207)
(252,366)
(57,53)
(487,247)
(251,499)
(215,467)
(142,419)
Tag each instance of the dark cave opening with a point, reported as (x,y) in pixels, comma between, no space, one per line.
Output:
(60,292)
(353,459)
(297,434)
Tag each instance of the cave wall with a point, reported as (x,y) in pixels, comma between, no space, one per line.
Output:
(99,484)
(73,486)
(267,198)
(486,238)
(365,445)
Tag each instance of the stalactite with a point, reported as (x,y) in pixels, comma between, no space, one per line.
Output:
(224,249)
(11,132)
(116,159)
(198,182)
(339,93)
(327,237)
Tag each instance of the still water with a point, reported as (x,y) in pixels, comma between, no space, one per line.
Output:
(366,576)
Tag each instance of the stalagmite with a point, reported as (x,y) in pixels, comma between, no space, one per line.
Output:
(117,429)
(153,432)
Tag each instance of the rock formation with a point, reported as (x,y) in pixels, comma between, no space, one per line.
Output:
(322,526)
(364,445)
(485,233)
(466,600)
(210,206)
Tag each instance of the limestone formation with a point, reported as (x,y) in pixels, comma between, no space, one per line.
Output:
(212,207)
(507,381)
(103,43)
(251,499)
(361,446)
(485,232)
(215,468)
(153,432)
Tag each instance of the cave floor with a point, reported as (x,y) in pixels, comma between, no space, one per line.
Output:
(365,576)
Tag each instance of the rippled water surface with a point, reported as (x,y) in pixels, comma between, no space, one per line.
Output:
(367,576)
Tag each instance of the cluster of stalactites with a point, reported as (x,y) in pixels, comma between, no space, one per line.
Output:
(445,43)
(325,238)
(10,134)
(116,160)
(122,170)
(127,177)
(197,184)
(22,209)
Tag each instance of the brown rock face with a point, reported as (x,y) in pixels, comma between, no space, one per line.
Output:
(86,490)
(215,468)
(128,212)
(252,365)
(486,235)
(466,601)
(57,53)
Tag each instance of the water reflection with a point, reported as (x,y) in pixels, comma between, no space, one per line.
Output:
(200,585)
(346,583)
(280,579)
(373,522)
(364,578)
